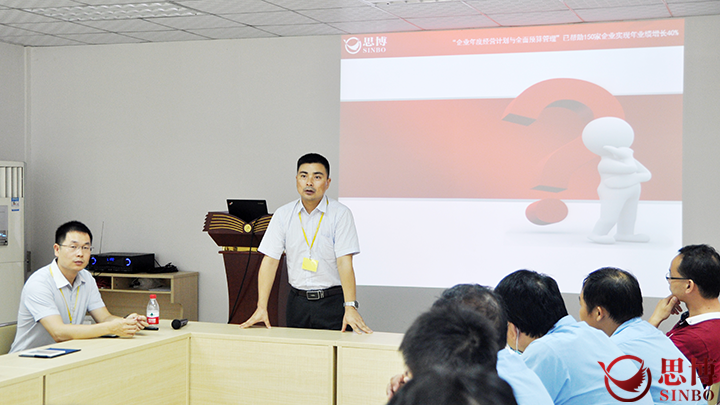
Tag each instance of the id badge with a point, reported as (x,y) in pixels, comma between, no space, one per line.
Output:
(310,264)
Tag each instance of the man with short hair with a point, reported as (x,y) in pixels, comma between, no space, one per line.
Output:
(565,354)
(611,301)
(55,298)
(318,236)
(694,279)
(442,386)
(526,385)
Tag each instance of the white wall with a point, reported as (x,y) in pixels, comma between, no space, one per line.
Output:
(12,102)
(146,138)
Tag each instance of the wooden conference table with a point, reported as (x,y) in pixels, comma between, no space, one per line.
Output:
(207,363)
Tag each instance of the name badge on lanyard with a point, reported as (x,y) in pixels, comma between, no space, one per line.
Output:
(309,263)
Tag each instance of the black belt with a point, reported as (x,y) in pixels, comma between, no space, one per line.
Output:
(313,295)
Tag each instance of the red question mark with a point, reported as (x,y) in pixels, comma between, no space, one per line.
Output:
(588,100)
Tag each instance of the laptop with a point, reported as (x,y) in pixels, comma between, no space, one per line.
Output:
(247,210)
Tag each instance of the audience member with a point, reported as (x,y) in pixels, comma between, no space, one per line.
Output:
(443,386)
(611,301)
(55,298)
(565,354)
(694,279)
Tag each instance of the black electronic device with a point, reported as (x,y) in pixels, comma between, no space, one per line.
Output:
(179,323)
(117,262)
(247,210)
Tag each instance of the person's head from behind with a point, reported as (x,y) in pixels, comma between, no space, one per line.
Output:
(699,265)
(73,244)
(533,304)
(313,177)
(609,298)
(443,386)
(480,299)
(451,336)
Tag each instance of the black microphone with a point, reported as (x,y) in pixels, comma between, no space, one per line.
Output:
(179,323)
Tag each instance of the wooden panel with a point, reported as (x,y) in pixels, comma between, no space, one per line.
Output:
(22,391)
(185,290)
(153,374)
(236,371)
(363,374)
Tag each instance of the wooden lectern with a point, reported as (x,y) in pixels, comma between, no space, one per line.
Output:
(239,241)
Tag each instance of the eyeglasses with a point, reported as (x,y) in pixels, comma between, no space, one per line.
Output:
(668,277)
(75,248)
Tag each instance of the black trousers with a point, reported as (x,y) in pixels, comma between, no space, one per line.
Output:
(325,313)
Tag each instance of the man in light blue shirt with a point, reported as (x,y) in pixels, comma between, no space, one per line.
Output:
(577,364)
(611,301)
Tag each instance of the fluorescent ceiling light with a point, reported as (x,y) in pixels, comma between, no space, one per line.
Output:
(115,12)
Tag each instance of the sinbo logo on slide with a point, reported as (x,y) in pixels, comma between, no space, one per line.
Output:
(634,388)
(627,390)
(370,44)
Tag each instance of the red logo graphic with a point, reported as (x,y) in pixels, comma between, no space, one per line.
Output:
(632,384)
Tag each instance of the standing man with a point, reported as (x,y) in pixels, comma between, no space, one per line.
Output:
(694,279)
(56,298)
(319,238)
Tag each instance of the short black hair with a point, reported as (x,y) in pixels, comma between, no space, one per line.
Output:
(701,264)
(452,336)
(533,301)
(615,290)
(443,386)
(72,226)
(314,158)
(482,300)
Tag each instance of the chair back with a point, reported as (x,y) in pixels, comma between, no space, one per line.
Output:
(7,335)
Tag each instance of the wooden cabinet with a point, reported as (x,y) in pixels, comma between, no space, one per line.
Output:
(177,293)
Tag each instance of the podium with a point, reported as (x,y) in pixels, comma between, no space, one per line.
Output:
(239,241)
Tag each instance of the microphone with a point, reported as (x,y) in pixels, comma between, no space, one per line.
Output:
(179,323)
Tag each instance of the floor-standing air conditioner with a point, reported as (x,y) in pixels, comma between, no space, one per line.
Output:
(12,238)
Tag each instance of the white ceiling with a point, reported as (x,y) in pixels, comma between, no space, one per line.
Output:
(37,22)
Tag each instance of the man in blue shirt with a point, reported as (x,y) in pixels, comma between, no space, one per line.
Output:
(611,301)
(578,364)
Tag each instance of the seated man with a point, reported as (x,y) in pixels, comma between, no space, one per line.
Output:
(611,301)
(526,385)
(442,386)
(565,354)
(56,298)
(694,279)
(449,336)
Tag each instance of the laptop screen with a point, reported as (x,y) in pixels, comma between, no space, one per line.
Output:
(247,210)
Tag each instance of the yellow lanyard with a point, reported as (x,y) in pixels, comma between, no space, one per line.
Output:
(66,303)
(310,245)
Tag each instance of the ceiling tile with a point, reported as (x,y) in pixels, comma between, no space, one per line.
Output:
(313,4)
(619,13)
(18,16)
(424,10)
(40,3)
(194,22)
(100,39)
(302,30)
(546,18)
(270,18)
(334,15)
(230,33)
(125,25)
(694,8)
(42,40)
(229,7)
(166,36)
(516,6)
(60,27)
(368,27)
(453,23)
(7,31)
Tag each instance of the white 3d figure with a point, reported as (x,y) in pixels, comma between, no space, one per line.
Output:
(620,178)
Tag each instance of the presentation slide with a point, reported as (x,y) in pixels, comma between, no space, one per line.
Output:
(466,155)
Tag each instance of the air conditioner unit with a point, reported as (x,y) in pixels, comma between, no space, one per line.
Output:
(12,238)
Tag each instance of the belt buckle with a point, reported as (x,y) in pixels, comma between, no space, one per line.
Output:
(314,295)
